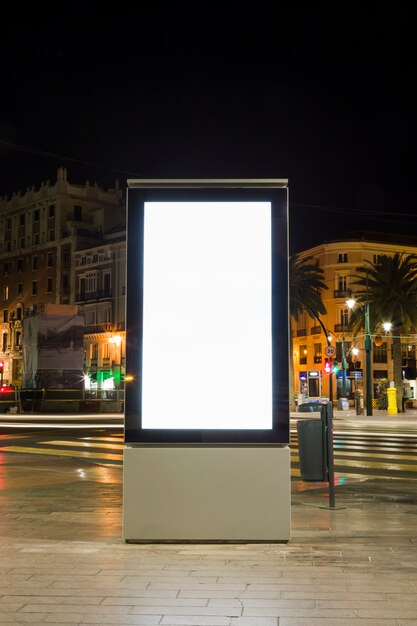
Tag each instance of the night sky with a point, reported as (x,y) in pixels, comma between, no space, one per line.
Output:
(322,95)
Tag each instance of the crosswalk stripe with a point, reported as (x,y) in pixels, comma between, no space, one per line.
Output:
(399,458)
(111,446)
(61,452)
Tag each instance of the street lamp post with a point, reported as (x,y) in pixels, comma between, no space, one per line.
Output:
(344,362)
(368,352)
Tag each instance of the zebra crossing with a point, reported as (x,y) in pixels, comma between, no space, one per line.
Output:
(362,454)
(383,455)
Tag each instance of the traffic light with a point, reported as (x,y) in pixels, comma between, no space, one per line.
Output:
(328,363)
(335,367)
(1,366)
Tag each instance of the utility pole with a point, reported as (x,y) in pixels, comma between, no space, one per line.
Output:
(368,351)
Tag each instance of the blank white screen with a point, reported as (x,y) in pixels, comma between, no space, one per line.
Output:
(207,354)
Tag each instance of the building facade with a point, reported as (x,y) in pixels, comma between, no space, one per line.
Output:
(339,261)
(100,281)
(41,231)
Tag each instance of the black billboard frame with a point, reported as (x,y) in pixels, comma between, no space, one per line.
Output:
(276,193)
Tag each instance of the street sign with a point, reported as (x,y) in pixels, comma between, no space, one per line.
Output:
(329,351)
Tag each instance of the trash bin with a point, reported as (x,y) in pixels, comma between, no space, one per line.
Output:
(311,443)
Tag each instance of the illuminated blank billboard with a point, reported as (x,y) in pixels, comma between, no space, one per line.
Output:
(202,336)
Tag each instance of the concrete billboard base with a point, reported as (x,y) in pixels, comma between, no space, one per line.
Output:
(206,494)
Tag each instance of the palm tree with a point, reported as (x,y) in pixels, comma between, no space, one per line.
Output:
(390,288)
(305,286)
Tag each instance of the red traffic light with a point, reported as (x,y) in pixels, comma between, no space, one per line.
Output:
(328,364)
(1,365)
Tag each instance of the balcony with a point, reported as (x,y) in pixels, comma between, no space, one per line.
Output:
(342,293)
(87,296)
(105,327)
(317,359)
(339,328)
(315,330)
(301,332)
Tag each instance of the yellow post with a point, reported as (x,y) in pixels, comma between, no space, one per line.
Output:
(392,401)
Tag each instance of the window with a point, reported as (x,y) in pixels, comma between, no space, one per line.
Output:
(4,342)
(344,317)
(18,339)
(91,282)
(106,351)
(34,262)
(19,291)
(380,374)
(342,257)
(408,351)
(377,259)
(94,351)
(19,313)
(90,317)
(65,284)
(50,261)
(78,212)
(5,315)
(339,351)
(22,219)
(51,210)
(49,285)
(21,242)
(106,283)
(51,234)
(317,353)
(303,355)
(65,259)
(6,268)
(20,265)
(9,223)
(380,353)
(34,287)
(341,282)
(5,293)
(35,239)
(8,246)
(36,215)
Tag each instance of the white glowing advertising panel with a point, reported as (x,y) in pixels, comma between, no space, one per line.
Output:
(206,353)
(207,312)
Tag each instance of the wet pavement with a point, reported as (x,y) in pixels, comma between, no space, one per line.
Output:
(63,560)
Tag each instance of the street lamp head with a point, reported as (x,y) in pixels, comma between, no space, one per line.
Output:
(387,326)
(115,339)
(355,351)
(350,303)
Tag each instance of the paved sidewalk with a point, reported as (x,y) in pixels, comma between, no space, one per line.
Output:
(62,559)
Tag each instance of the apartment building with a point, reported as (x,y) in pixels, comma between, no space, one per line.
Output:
(339,260)
(100,281)
(40,232)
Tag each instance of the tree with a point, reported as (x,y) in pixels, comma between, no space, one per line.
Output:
(390,288)
(305,286)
